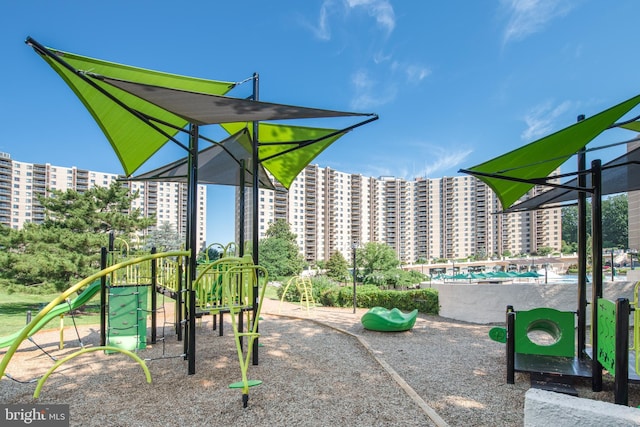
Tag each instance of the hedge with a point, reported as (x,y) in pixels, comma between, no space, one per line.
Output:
(367,296)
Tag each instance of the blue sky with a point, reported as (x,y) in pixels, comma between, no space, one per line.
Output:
(455,83)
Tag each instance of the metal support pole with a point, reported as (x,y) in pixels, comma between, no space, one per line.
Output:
(241,206)
(103,298)
(511,346)
(596,253)
(354,278)
(192,242)
(255,155)
(613,268)
(179,304)
(582,253)
(621,380)
(154,298)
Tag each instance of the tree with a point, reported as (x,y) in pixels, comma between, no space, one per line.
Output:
(615,222)
(97,210)
(164,238)
(569,224)
(376,258)
(569,248)
(66,246)
(279,253)
(480,255)
(544,250)
(280,229)
(337,267)
(615,226)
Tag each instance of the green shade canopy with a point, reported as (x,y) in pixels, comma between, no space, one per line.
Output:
(538,159)
(131,137)
(620,175)
(140,110)
(286,150)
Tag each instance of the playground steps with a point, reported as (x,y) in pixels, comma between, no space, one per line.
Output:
(555,383)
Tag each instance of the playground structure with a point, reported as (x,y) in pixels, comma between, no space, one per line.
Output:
(541,342)
(304,288)
(511,176)
(128,287)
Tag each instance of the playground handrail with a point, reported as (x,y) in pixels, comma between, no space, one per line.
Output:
(208,283)
(25,332)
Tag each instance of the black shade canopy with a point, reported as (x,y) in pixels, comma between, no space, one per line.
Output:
(218,164)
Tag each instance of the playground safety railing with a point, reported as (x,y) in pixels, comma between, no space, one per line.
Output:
(209,283)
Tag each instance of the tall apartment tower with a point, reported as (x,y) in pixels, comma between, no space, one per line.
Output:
(22,182)
(449,217)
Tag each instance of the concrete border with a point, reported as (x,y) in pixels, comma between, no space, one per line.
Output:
(543,408)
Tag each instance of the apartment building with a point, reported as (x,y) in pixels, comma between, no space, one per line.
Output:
(22,182)
(449,217)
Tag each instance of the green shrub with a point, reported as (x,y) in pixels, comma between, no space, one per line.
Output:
(319,285)
(367,296)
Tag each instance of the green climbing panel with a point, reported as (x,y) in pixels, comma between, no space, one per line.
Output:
(127,323)
(607,334)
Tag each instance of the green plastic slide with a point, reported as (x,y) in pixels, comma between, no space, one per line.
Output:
(62,308)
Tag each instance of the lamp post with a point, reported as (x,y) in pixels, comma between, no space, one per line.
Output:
(613,268)
(354,246)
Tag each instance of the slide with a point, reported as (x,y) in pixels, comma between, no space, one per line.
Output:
(62,308)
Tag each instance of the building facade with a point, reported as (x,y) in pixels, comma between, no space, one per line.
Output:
(21,183)
(421,219)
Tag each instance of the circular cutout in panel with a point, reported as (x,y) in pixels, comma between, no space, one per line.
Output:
(544,332)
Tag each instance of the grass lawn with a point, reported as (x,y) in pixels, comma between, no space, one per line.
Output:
(14,307)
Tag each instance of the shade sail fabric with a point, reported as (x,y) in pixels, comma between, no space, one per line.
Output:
(286,150)
(619,175)
(133,140)
(219,164)
(208,109)
(140,110)
(539,158)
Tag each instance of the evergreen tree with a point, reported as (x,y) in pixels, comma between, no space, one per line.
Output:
(337,267)
(66,246)
(164,238)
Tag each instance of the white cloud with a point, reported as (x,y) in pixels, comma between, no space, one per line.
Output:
(416,73)
(322,30)
(442,160)
(540,119)
(425,161)
(381,10)
(368,93)
(526,17)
